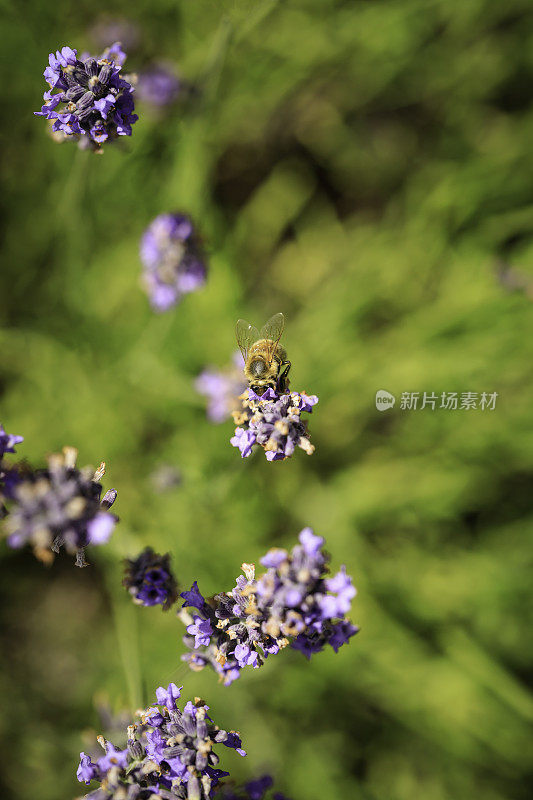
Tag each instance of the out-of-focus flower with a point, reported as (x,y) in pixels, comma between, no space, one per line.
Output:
(514,280)
(223,389)
(149,579)
(108,30)
(88,100)
(293,602)
(274,423)
(158,85)
(110,721)
(170,754)
(173,263)
(112,54)
(165,477)
(60,506)
(253,790)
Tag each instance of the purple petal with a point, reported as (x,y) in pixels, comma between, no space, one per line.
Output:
(310,542)
(101,527)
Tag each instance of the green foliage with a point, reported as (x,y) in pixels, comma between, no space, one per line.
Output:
(364,167)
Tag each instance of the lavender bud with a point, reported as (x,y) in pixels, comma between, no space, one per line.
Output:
(81,77)
(91,66)
(85,101)
(105,74)
(193,788)
(74,93)
(150,580)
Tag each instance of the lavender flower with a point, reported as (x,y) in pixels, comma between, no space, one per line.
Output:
(302,602)
(235,639)
(170,754)
(173,264)
(158,85)
(293,602)
(97,102)
(149,579)
(10,477)
(9,474)
(60,506)
(273,422)
(223,389)
(8,442)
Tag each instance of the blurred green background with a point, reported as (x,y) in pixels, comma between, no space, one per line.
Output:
(366,168)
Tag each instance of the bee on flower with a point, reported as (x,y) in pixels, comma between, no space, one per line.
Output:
(270,416)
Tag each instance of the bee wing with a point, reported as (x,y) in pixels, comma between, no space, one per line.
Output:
(272,330)
(246,335)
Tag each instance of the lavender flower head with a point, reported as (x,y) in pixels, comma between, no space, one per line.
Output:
(170,754)
(274,423)
(88,100)
(223,389)
(293,602)
(226,634)
(173,264)
(302,601)
(149,579)
(60,506)
(158,85)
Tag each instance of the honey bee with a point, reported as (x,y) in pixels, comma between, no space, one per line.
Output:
(265,359)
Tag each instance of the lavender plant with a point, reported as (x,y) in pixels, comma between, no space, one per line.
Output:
(292,602)
(59,506)
(172,260)
(170,754)
(223,389)
(274,423)
(88,100)
(150,580)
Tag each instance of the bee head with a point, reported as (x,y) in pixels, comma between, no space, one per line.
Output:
(260,388)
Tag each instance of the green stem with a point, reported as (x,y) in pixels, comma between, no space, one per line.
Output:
(127,632)
(70,207)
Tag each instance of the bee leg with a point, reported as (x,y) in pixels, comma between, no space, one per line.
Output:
(283,380)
